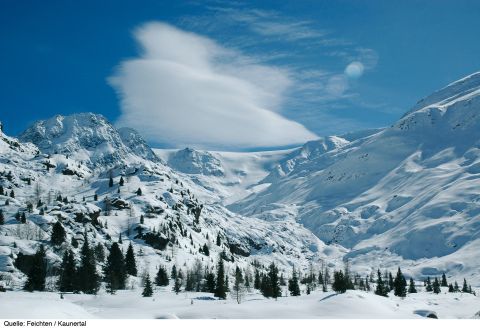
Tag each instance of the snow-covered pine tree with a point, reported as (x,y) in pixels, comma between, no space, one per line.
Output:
(257,280)
(58,234)
(293,286)
(162,277)
(381,289)
(238,291)
(411,286)
(220,288)
(465,286)
(88,280)
(400,284)
(130,263)
(177,286)
(339,284)
(68,273)
(115,271)
(436,286)
(444,280)
(428,285)
(147,290)
(38,271)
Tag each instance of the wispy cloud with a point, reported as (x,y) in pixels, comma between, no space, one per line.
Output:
(260,27)
(189,90)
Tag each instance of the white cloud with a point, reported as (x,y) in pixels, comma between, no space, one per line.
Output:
(185,89)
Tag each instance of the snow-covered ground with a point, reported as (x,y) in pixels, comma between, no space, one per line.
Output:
(166,304)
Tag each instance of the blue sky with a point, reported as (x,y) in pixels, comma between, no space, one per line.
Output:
(288,57)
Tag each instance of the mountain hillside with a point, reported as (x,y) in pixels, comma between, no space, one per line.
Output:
(106,185)
(408,194)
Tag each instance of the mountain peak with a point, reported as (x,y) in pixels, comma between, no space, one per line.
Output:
(87,137)
(455,90)
(192,161)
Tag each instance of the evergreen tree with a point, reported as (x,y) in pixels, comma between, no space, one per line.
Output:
(411,286)
(257,280)
(139,192)
(367,284)
(147,290)
(121,182)
(339,284)
(1,190)
(238,287)
(451,288)
(87,276)
(210,283)
(142,219)
(68,273)
(130,264)
(220,289)
(95,197)
(455,287)
(205,250)
(174,272)
(436,286)
(444,280)
(23,218)
(162,276)
(271,285)
(2,217)
(110,182)
(12,194)
(38,272)
(400,284)
(465,286)
(381,289)
(189,283)
(219,241)
(428,284)
(177,286)
(99,252)
(293,286)
(115,269)
(58,234)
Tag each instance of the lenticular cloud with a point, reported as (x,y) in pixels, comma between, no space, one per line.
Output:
(185,89)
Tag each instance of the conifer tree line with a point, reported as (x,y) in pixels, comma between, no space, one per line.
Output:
(82,274)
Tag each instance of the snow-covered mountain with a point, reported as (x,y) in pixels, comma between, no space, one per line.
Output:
(229,176)
(66,163)
(406,194)
(88,138)
(191,161)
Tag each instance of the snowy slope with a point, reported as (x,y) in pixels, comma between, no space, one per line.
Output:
(406,194)
(74,158)
(230,176)
(166,305)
